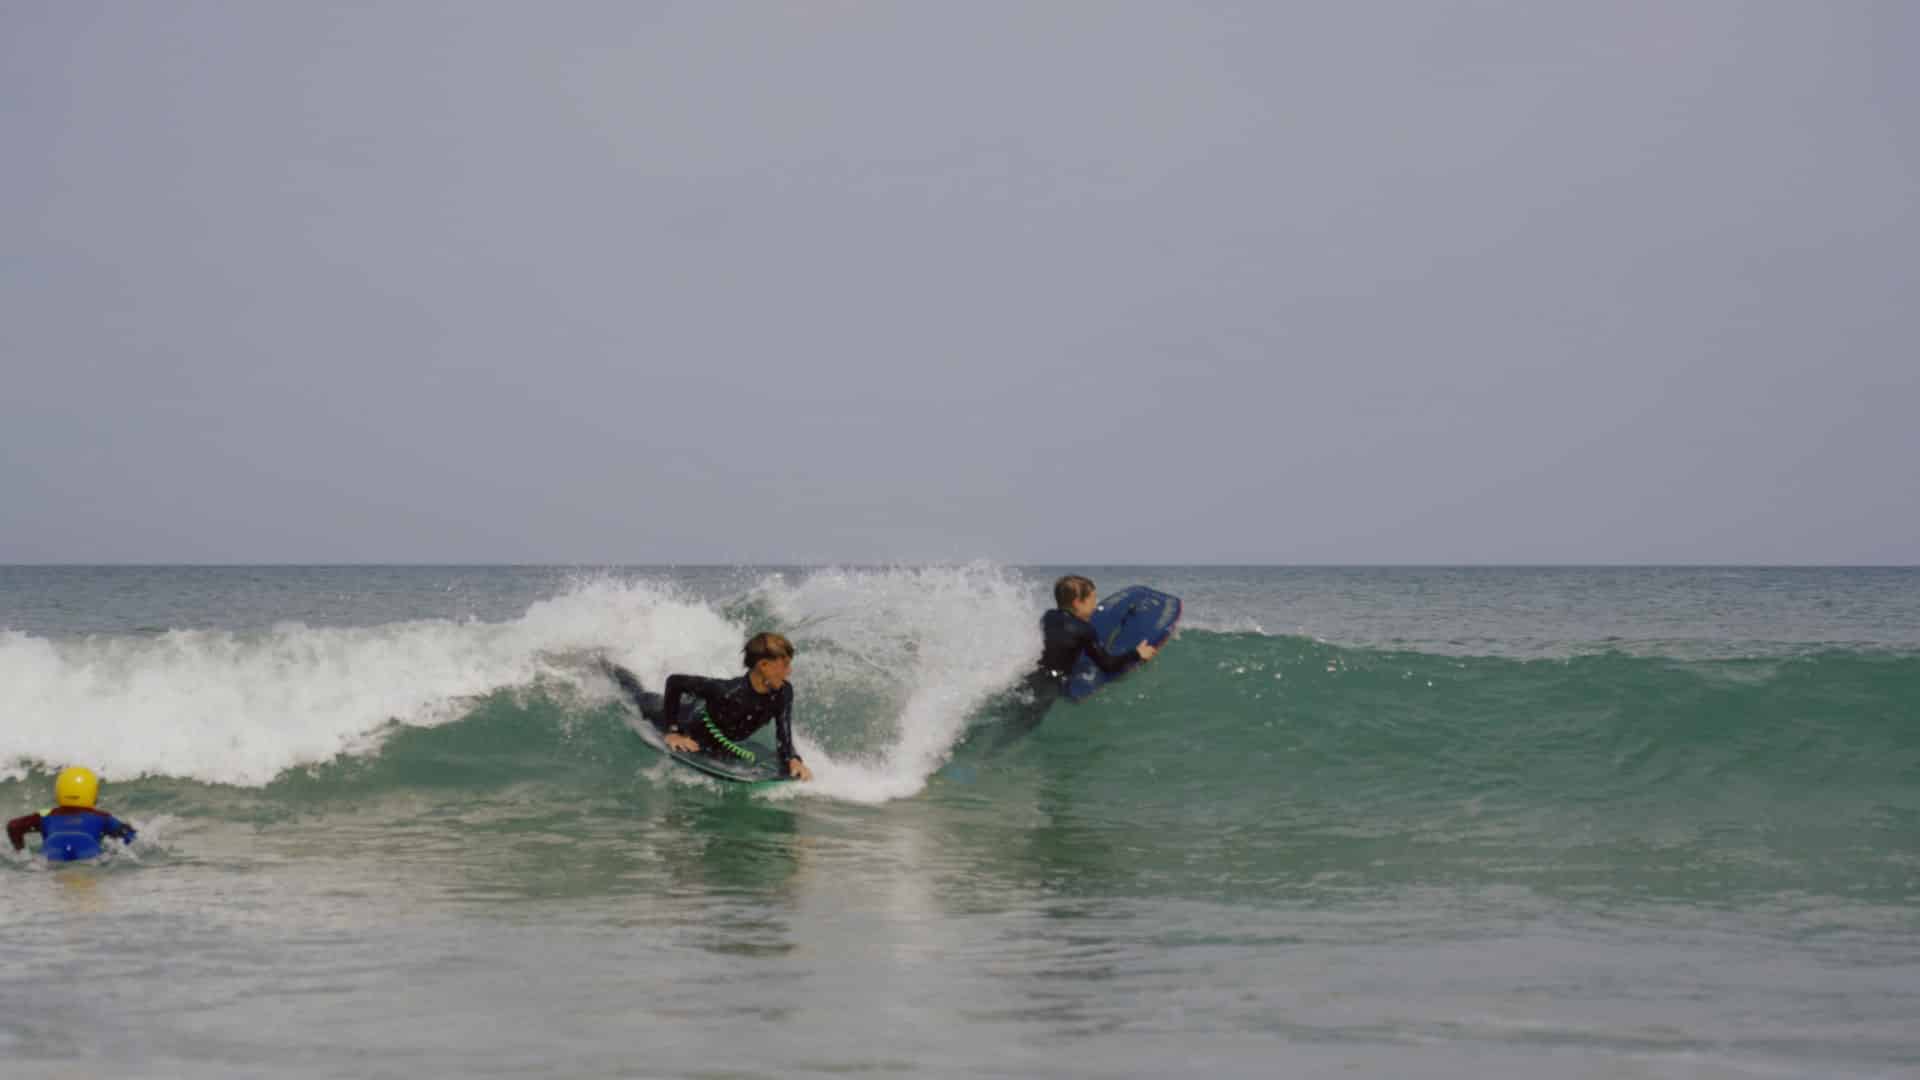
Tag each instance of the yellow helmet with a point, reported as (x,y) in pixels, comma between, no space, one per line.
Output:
(76,786)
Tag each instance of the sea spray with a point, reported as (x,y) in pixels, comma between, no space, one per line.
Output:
(903,659)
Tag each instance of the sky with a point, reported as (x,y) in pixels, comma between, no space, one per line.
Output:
(1088,283)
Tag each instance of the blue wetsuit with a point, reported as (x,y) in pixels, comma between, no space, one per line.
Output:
(70,833)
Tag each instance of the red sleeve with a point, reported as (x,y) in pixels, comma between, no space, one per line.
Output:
(19,827)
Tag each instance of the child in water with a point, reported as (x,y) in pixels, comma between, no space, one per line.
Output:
(71,830)
(1065,636)
(730,710)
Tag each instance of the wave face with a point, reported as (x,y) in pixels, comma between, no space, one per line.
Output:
(893,663)
(1239,748)
(1824,737)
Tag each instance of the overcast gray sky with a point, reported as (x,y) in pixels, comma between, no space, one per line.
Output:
(1032,282)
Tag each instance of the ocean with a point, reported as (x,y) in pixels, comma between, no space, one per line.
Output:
(1355,822)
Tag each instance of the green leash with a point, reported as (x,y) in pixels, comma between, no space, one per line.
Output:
(732,747)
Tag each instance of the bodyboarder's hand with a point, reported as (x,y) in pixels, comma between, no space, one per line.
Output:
(681,743)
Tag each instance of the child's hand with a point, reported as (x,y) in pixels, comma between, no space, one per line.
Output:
(799,769)
(682,744)
(1147,652)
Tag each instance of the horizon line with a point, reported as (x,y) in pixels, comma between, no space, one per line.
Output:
(860,564)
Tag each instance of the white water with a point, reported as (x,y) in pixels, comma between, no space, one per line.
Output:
(923,647)
(932,643)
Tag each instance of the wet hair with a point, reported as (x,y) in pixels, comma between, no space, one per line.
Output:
(1071,588)
(767,646)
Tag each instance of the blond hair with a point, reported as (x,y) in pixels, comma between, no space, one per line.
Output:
(766,646)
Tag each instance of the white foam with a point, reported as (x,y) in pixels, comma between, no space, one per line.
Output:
(935,642)
(241,708)
(924,646)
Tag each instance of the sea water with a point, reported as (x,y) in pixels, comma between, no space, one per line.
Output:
(1632,822)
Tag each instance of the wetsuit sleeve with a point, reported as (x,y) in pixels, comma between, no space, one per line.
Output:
(783,729)
(19,827)
(120,829)
(673,694)
(670,704)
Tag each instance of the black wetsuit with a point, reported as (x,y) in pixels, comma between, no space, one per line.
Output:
(734,710)
(1064,637)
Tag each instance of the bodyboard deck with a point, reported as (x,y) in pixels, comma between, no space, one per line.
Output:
(1129,618)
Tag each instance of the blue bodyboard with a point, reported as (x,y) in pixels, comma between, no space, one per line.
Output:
(764,769)
(1131,617)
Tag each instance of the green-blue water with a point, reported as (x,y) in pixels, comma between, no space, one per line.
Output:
(1588,822)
